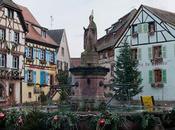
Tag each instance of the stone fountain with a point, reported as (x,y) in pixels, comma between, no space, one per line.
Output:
(89,76)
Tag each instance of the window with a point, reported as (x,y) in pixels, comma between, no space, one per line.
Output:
(134,53)
(2,60)
(10,13)
(2,34)
(15,62)
(51,80)
(59,65)
(151,27)
(62,51)
(30,76)
(142,28)
(158,76)
(52,57)
(29,95)
(43,33)
(29,52)
(42,55)
(134,30)
(157,53)
(27,26)
(16,37)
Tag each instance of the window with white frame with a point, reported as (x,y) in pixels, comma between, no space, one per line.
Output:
(43,33)
(29,52)
(2,60)
(10,13)
(16,37)
(30,75)
(42,54)
(15,62)
(2,34)
(158,76)
(151,27)
(52,57)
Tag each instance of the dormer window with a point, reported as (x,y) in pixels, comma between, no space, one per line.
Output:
(10,13)
(43,33)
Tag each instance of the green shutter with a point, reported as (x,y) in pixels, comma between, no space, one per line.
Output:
(164,77)
(164,51)
(151,76)
(139,55)
(150,53)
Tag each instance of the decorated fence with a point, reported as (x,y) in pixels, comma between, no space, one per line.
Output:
(37,120)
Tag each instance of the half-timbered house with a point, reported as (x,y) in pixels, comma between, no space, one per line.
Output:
(151,34)
(63,57)
(12,42)
(40,61)
(106,44)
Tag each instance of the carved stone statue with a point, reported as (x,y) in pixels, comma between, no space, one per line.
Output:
(90,35)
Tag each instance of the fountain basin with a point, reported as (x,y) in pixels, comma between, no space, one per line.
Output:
(88,70)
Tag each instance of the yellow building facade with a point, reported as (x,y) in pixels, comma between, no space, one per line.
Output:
(40,68)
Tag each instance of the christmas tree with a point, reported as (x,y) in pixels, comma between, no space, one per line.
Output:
(127,78)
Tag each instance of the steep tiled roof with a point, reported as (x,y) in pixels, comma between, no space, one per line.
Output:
(56,34)
(28,15)
(9,3)
(115,31)
(33,34)
(166,16)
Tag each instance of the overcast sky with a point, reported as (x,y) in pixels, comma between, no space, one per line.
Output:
(73,15)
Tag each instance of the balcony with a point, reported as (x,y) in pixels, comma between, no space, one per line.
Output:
(10,74)
(157,85)
(157,61)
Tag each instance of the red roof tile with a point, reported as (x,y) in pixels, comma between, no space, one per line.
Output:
(28,15)
(33,34)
